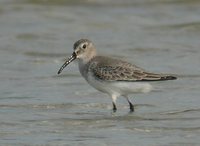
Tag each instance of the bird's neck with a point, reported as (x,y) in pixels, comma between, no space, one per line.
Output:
(85,62)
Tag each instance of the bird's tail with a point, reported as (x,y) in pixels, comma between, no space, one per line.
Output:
(158,77)
(168,77)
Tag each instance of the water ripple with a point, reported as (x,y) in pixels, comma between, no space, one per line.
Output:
(180,111)
(188,26)
(45,54)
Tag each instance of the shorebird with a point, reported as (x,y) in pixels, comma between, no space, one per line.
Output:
(112,76)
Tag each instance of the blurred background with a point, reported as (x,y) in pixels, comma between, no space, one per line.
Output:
(39,107)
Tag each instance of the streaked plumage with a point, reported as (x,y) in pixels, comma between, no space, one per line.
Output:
(111,69)
(112,76)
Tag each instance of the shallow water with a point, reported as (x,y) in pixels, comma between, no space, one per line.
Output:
(39,107)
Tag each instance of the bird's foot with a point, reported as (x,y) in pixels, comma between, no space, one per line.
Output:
(114,107)
(131,107)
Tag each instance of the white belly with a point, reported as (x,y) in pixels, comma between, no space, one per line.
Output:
(113,87)
(118,87)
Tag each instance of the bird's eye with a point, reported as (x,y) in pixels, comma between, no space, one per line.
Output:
(84,46)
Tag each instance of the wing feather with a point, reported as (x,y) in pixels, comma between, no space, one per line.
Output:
(117,70)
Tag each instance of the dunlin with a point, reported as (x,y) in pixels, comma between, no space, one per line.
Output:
(112,76)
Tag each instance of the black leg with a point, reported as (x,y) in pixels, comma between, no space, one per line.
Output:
(131,106)
(114,107)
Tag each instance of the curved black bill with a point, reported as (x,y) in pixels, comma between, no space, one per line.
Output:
(71,58)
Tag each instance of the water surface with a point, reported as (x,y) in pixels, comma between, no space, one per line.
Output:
(39,107)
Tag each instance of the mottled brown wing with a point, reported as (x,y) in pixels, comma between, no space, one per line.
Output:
(120,73)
